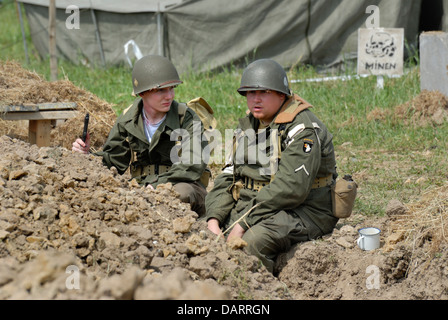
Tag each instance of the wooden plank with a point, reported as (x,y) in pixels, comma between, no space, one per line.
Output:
(4,109)
(56,106)
(40,132)
(40,115)
(26,107)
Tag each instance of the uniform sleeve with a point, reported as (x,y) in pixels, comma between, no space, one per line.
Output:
(191,165)
(219,202)
(298,168)
(116,151)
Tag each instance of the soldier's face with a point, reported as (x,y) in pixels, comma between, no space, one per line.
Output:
(264,104)
(158,100)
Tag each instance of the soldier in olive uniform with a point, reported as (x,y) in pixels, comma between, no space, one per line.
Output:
(141,138)
(276,189)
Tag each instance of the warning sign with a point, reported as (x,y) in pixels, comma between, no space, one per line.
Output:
(380,51)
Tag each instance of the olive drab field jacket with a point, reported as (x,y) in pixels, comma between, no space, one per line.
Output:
(127,146)
(294,156)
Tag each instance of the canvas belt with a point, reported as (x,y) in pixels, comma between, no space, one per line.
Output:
(252,184)
(137,171)
(256,185)
(322,182)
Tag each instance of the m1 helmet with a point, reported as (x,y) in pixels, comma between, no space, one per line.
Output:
(264,74)
(154,72)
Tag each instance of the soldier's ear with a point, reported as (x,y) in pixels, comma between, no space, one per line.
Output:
(281,95)
(142,94)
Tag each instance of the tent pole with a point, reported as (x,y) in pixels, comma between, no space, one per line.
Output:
(19,9)
(98,38)
(159,30)
(52,42)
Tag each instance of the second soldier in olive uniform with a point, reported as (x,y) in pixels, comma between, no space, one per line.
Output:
(141,138)
(277,203)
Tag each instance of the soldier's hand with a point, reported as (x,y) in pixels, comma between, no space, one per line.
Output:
(81,146)
(150,187)
(237,231)
(213,226)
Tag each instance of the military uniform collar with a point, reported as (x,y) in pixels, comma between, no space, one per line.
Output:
(172,117)
(291,108)
(134,121)
(287,113)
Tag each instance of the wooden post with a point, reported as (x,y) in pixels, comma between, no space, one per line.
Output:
(40,132)
(52,44)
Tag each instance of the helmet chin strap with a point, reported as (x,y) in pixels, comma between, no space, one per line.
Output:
(281,106)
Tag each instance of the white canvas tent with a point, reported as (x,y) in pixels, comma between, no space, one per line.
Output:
(207,34)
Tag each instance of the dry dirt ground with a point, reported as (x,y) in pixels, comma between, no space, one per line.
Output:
(73,229)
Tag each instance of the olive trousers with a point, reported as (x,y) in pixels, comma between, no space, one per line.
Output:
(281,230)
(194,194)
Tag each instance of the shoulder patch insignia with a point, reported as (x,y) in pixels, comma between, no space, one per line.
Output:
(307,145)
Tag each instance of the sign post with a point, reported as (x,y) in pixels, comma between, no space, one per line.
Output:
(380,52)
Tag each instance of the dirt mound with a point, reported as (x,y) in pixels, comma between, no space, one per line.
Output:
(335,268)
(429,107)
(19,86)
(60,209)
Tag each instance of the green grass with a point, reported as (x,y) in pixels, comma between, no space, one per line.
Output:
(388,158)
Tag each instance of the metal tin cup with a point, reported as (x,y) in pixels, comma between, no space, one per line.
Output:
(369,238)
